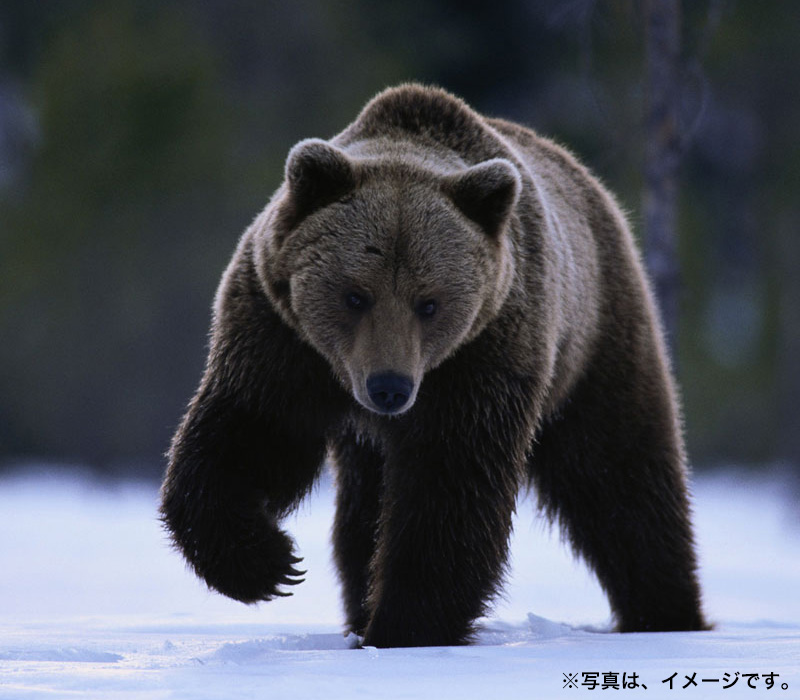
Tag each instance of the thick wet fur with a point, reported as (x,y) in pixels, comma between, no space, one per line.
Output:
(452,309)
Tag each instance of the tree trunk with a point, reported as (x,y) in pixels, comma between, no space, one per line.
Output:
(662,153)
(789,341)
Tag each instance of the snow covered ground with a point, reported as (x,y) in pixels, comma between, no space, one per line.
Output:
(94,604)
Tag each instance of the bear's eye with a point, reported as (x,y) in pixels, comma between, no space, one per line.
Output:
(426,308)
(356,301)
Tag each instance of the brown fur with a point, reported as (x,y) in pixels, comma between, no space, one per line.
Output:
(453,307)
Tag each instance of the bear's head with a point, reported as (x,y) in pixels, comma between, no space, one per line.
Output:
(387,264)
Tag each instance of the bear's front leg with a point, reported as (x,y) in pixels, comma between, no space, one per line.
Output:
(250,446)
(449,499)
(230,479)
(359,474)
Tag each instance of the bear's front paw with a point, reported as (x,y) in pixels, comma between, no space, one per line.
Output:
(253,568)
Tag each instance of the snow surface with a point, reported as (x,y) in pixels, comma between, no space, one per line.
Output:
(94,604)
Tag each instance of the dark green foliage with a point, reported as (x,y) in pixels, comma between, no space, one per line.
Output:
(106,240)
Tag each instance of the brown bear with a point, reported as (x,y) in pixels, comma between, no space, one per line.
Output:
(450,308)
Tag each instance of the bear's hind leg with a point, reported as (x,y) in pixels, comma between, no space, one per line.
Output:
(359,469)
(610,468)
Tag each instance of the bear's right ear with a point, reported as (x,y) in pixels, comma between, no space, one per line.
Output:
(316,174)
(486,193)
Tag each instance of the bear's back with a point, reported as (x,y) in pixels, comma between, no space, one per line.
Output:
(427,116)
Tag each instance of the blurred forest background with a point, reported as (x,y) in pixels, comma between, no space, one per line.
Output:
(139,138)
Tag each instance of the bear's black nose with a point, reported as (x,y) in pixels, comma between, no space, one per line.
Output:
(389,391)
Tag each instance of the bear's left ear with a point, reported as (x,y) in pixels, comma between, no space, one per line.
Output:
(317,174)
(486,193)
